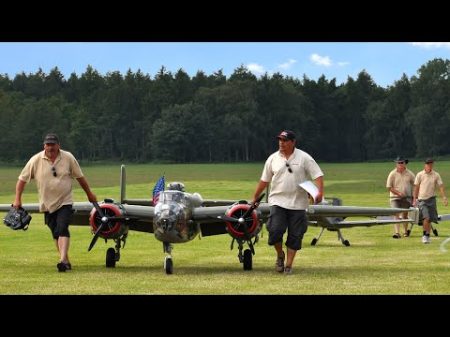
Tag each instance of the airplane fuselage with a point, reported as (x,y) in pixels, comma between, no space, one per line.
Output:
(172,222)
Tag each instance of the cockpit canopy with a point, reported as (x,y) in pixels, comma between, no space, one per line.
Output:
(175,186)
(168,196)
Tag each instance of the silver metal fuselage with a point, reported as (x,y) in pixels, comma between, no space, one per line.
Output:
(173,213)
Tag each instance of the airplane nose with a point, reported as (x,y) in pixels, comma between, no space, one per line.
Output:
(165,224)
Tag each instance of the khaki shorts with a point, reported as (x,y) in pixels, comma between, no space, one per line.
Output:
(401,203)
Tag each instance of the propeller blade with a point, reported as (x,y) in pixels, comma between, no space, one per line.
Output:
(253,206)
(99,210)
(94,239)
(97,232)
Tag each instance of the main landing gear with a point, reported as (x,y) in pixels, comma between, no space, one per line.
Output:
(245,256)
(113,254)
(339,234)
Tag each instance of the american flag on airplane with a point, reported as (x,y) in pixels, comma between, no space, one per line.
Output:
(159,187)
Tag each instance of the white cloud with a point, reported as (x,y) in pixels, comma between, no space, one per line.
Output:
(343,64)
(256,68)
(429,45)
(321,60)
(288,64)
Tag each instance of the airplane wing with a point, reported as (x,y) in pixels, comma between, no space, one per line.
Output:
(351,211)
(141,216)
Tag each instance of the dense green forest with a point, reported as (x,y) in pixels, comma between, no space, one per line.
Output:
(211,118)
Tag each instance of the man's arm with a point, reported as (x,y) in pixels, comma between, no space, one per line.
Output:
(444,197)
(20,186)
(84,184)
(319,183)
(259,188)
(415,194)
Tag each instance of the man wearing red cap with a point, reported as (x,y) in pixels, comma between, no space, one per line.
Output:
(284,170)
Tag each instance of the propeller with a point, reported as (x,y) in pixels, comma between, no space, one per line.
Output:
(242,220)
(105,220)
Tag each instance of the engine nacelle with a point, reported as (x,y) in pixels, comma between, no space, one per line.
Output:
(236,229)
(113,229)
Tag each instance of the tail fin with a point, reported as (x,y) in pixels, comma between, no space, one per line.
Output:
(123,178)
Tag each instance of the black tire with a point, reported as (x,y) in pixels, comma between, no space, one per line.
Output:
(313,242)
(248,264)
(168,265)
(110,258)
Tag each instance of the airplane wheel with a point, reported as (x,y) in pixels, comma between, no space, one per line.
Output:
(168,265)
(435,232)
(110,258)
(313,242)
(247,259)
(346,243)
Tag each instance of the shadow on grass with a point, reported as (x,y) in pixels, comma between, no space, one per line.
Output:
(258,271)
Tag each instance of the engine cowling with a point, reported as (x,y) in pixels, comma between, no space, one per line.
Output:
(236,229)
(113,229)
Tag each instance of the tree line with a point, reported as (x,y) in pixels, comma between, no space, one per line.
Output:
(173,117)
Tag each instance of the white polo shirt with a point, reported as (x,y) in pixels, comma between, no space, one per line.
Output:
(284,189)
(54,192)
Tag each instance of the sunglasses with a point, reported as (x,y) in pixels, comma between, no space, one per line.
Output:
(400,162)
(54,171)
(289,168)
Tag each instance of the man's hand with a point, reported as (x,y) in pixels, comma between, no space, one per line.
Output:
(319,197)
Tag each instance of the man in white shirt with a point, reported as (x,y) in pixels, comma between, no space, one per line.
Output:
(284,170)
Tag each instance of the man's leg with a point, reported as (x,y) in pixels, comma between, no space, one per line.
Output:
(290,257)
(405,224)
(276,227)
(298,226)
(63,248)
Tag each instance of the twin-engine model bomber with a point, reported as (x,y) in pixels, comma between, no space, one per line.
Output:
(178,217)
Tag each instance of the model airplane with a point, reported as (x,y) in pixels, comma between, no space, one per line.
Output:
(179,217)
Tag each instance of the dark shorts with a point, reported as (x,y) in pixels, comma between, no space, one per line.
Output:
(282,219)
(59,221)
(428,210)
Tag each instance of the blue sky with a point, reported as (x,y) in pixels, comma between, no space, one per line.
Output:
(385,62)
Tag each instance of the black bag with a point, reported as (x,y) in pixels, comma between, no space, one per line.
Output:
(17,219)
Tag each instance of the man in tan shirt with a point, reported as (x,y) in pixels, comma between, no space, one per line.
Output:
(400,184)
(425,197)
(53,170)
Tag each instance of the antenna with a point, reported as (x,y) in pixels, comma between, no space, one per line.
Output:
(123,178)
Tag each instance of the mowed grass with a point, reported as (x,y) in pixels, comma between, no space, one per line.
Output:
(373,264)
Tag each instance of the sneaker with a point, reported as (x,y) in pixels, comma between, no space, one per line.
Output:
(288,270)
(426,239)
(396,236)
(279,265)
(62,267)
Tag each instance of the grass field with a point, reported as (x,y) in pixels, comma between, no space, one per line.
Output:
(373,264)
